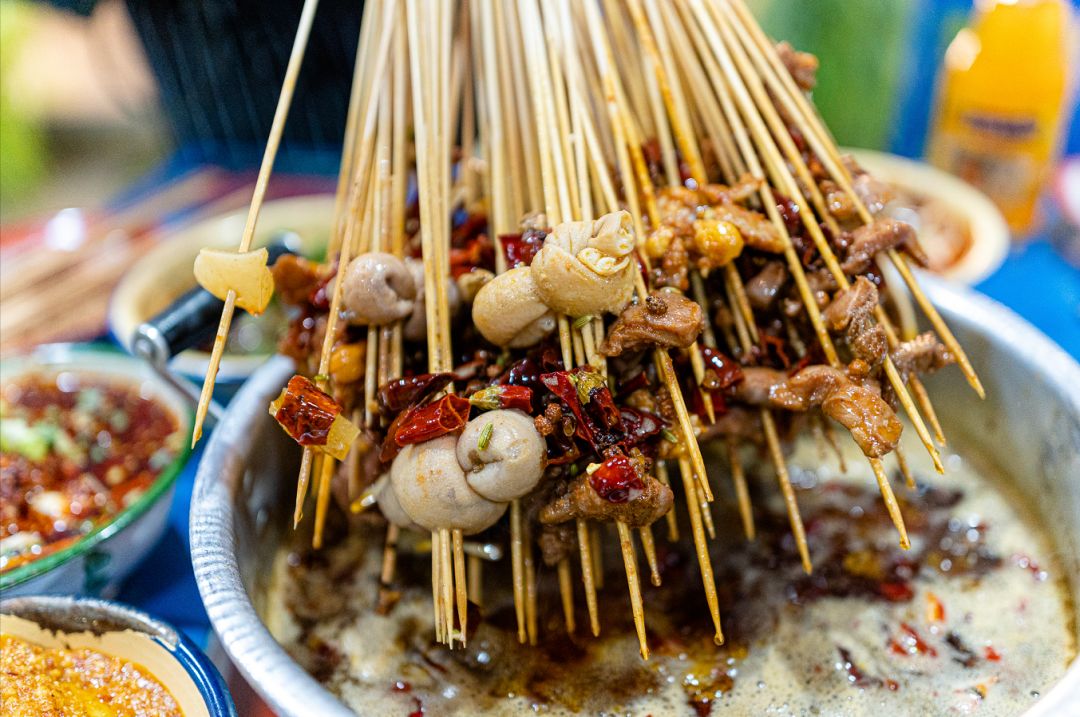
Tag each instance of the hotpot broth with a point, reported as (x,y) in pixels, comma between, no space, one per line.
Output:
(975,616)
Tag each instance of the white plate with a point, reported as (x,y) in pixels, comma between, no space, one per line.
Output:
(989,232)
(165,273)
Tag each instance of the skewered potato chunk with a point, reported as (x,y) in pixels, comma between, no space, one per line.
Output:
(245,273)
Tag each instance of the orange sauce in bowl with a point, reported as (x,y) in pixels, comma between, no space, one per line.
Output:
(57,682)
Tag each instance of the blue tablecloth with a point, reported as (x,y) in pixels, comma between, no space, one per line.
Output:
(1034,281)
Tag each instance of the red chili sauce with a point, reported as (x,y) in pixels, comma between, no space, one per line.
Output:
(74,452)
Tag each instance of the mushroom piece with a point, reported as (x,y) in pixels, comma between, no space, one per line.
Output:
(508,311)
(586,268)
(511,461)
(430,486)
(379,289)
(416,327)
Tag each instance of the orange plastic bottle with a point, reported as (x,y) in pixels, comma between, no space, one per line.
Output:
(1003,97)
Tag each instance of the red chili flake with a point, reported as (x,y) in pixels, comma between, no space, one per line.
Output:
(306,413)
(992,654)
(587,396)
(639,426)
(502,396)
(628,387)
(419,711)
(896,591)
(728,372)
(935,611)
(1023,561)
(520,249)
(915,645)
(777,345)
(477,253)
(617,479)
(401,393)
(447,415)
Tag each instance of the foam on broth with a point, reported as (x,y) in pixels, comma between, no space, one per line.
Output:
(973,619)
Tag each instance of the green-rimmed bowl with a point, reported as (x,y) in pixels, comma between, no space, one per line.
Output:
(98,562)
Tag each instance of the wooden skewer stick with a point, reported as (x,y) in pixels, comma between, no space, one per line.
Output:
(292,70)
(719,36)
(648,546)
(702,548)
(588,577)
(460,584)
(566,591)
(672,521)
(786,181)
(826,150)
(742,495)
(517,561)
(626,543)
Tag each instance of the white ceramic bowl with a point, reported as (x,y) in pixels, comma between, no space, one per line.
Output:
(990,238)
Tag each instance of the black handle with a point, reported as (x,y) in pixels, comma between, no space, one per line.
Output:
(192,318)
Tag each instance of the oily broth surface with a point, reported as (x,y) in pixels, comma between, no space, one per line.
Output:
(974,619)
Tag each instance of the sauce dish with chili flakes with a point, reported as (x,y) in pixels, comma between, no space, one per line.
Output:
(72,656)
(91,444)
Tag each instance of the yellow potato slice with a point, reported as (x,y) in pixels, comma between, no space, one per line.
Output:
(247,274)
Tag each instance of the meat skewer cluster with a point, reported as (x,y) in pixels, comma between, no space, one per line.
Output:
(630,257)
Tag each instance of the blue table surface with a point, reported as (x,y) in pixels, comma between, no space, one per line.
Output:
(1034,281)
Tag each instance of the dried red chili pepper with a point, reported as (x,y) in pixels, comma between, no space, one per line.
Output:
(727,370)
(520,249)
(501,396)
(639,426)
(616,480)
(401,393)
(447,415)
(306,413)
(598,419)
(477,252)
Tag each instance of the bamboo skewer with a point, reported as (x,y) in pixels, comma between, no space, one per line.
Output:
(720,40)
(826,150)
(702,549)
(288,86)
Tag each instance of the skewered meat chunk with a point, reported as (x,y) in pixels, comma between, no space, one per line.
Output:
(664,319)
(852,311)
(738,422)
(837,201)
(508,311)
(415,328)
(502,454)
(755,227)
(585,267)
(856,406)
(802,66)
(674,268)
(745,188)
(432,489)
(295,278)
(922,354)
(379,289)
(869,240)
(765,286)
(582,501)
(873,193)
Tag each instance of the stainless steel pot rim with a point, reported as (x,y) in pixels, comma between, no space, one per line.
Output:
(290,690)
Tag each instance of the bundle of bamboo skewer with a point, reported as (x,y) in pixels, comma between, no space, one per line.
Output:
(522,108)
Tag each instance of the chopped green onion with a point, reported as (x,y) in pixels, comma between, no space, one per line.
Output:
(581,321)
(485,436)
(669,435)
(321,378)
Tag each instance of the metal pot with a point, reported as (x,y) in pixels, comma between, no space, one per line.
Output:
(1029,425)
